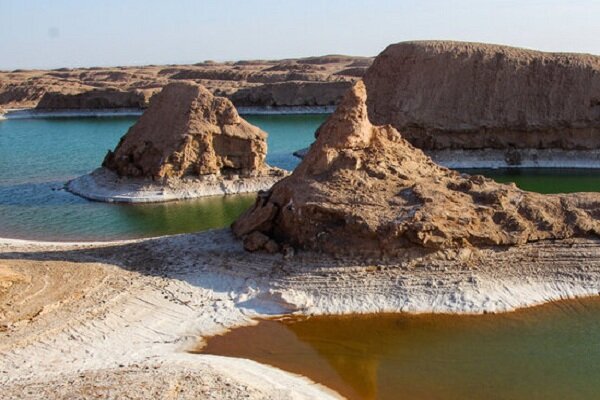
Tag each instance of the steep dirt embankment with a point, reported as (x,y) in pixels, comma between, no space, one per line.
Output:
(363,189)
(454,95)
(93,99)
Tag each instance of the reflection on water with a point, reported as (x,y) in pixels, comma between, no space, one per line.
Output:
(546,180)
(547,352)
(48,212)
(37,156)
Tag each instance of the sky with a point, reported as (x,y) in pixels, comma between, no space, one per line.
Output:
(80,33)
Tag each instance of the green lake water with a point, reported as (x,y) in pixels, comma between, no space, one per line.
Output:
(551,352)
(37,157)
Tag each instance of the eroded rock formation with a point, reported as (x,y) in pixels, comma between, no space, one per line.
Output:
(187,131)
(94,99)
(454,95)
(71,87)
(292,94)
(363,189)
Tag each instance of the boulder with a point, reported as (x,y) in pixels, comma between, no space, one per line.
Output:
(186,131)
(363,189)
(454,95)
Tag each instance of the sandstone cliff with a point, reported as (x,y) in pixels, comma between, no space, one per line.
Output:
(470,96)
(363,189)
(94,99)
(187,131)
(292,94)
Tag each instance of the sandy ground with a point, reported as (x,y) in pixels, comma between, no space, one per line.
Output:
(115,320)
(104,185)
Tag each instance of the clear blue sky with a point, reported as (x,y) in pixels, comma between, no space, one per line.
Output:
(67,33)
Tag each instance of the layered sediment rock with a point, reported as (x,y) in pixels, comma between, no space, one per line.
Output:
(94,99)
(68,88)
(187,131)
(363,189)
(453,95)
(292,94)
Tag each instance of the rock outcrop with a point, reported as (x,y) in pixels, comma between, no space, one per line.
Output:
(89,87)
(364,190)
(292,94)
(187,131)
(453,95)
(93,99)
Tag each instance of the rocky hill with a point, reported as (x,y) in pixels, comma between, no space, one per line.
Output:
(187,131)
(362,189)
(187,144)
(308,81)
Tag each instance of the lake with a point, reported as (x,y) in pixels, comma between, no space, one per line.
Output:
(549,352)
(37,157)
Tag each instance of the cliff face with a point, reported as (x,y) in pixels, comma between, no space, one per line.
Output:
(468,95)
(93,99)
(292,94)
(363,189)
(187,131)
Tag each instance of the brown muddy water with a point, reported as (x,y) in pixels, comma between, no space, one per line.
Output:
(546,352)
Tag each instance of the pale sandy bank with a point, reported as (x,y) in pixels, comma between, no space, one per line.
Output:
(116,319)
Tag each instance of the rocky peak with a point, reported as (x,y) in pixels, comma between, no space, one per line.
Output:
(187,131)
(364,190)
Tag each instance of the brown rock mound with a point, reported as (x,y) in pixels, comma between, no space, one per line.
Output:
(454,95)
(364,190)
(187,131)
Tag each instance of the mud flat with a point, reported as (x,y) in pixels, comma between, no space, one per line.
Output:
(119,317)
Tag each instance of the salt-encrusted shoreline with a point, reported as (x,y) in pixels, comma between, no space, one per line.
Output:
(151,300)
(513,158)
(104,185)
(516,158)
(26,113)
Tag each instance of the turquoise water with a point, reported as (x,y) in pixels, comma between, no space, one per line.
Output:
(37,156)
